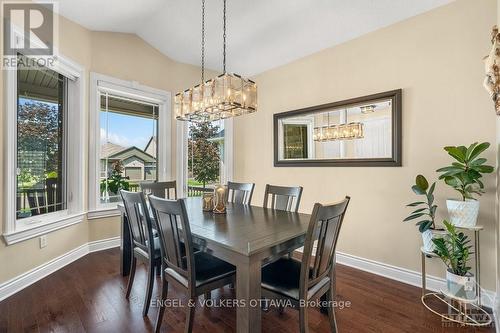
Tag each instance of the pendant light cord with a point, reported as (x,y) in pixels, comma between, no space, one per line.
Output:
(224,39)
(202,41)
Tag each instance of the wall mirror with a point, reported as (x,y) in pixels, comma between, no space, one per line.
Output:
(363,131)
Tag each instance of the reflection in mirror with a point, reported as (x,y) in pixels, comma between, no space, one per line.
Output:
(360,130)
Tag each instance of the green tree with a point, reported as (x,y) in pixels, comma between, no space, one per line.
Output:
(204,159)
(40,129)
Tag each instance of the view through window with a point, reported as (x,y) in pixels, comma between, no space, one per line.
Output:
(41,143)
(205,156)
(128,145)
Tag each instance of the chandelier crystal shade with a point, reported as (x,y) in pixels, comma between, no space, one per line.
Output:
(228,95)
(338,132)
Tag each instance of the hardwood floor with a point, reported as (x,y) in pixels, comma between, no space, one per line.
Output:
(89,296)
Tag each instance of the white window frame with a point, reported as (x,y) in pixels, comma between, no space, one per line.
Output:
(182,153)
(14,230)
(99,84)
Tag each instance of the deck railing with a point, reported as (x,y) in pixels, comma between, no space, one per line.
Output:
(197,191)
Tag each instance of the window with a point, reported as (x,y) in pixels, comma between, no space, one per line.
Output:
(296,141)
(128,146)
(129,140)
(41,142)
(44,140)
(207,154)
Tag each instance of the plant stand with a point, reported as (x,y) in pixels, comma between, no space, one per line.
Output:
(462,311)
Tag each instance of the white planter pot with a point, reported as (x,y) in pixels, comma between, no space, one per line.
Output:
(428,235)
(463,213)
(461,286)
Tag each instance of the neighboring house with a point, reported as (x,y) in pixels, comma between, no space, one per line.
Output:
(137,164)
(151,147)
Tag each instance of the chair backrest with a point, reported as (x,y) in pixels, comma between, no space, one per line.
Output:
(240,193)
(139,220)
(172,224)
(324,227)
(160,189)
(282,197)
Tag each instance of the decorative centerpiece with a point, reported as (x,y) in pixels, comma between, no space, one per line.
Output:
(220,199)
(464,176)
(208,202)
(454,250)
(425,212)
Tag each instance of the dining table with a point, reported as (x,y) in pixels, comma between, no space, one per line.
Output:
(245,236)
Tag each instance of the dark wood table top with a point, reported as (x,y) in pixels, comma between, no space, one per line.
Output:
(245,229)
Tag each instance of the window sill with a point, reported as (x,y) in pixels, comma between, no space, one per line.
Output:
(103,213)
(33,230)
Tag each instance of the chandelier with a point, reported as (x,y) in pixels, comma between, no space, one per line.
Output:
(227,95)
(339,132)
(335,132)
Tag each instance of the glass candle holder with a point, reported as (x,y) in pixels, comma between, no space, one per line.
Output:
(220,199)
(208,202)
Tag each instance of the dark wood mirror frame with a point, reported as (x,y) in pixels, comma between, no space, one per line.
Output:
(395,161)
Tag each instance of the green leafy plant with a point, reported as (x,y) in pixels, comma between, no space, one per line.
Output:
(425,211)
(115,180)
(454,250)
(465,174)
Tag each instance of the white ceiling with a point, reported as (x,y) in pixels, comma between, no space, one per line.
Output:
(261,34)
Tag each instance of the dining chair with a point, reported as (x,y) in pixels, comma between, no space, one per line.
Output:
(301,281)
(160,189)
(145,247)
(240,193)
(283,197)
(195,272)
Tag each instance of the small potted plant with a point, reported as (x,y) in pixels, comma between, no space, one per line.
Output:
(454,250)
(115,181)
(425,212)
(464,176)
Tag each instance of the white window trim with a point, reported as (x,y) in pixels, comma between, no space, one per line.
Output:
(100,83)
(182,152)
(15,231)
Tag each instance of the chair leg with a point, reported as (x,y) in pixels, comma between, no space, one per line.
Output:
(161,311)
(149,288)
(190,316)
(131,276)
(303,319)
(158,268)
(208,295)
(330,296)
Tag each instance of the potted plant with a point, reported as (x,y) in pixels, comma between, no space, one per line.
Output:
(115,181)
(464,176)
(454,250)
(425,212)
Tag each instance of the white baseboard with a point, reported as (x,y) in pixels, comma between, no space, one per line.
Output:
(104,244)
(26,279)
(404,275)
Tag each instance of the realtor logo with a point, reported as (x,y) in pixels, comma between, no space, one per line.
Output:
(28,29)
(32,20)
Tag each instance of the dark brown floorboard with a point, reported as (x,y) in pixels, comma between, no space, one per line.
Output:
(89,296)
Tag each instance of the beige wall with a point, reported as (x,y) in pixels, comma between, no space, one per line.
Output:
(436,59)
(123,56)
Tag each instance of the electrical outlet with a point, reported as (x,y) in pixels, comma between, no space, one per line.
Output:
(43,241)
